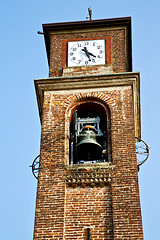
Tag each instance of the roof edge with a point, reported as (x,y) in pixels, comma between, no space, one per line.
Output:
(85,24)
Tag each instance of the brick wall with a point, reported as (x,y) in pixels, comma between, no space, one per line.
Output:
(88,207)
(107,201)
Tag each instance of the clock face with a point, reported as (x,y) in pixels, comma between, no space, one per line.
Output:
(83,53)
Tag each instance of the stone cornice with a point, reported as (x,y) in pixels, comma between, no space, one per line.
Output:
(100,82)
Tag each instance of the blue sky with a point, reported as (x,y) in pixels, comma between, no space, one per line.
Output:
(23,58)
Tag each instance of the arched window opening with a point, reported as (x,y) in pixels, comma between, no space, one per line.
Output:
(88,134)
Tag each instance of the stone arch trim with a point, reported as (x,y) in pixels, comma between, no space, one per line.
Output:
(72,100)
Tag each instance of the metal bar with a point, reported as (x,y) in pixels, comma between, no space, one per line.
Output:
(88,234)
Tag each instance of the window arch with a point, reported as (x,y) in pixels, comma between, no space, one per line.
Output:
(89,133)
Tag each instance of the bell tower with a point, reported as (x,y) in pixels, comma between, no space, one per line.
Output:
(89,108)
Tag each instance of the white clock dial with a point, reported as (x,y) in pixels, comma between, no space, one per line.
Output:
(90,52)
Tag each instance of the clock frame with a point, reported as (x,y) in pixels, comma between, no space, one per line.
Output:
(86,52)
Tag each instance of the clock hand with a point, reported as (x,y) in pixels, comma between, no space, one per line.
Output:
(86,52)
(91,54)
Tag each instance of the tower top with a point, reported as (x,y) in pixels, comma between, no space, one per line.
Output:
(88,26)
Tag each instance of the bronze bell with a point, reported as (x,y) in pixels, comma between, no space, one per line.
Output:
(88,149)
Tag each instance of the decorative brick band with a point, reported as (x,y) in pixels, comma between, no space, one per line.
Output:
(83,176)
(89,95)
